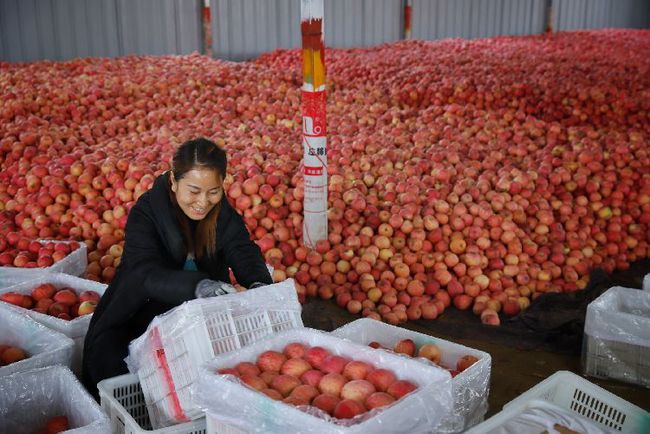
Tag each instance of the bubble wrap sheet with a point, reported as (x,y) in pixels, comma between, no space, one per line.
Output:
(30,398)
(74,263)
(44,347)
(617,336)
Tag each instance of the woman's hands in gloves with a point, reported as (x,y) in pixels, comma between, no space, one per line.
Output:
(212,288)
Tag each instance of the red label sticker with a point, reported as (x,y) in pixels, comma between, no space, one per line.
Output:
(313,171)
(313,113)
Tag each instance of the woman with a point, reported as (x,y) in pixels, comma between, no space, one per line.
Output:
(181,238)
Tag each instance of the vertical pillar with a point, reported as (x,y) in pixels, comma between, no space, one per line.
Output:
(314,133)
(408,8)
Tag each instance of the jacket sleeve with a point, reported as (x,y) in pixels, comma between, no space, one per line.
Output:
(242,255)
(151,273)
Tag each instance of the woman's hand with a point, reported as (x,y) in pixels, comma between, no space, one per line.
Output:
(212,288)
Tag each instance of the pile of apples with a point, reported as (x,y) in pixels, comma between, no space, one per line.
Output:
(477,173)
(62,303)
(20,251)
(304,375)
(10,354)
(430,352)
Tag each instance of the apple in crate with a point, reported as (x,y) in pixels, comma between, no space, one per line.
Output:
(295,367)
(66,296)
(357,370)
(55,425)
(358,390)
(86,307)
(12,298)
(271,361)
(326,402)
(45,290)
(465,362)
(431,352)
(348,408)
(379,399)
(89,296)
(9,354)
(405,346)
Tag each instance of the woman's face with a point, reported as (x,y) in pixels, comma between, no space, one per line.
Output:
(198,192)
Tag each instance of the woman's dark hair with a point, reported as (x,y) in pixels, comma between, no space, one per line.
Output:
(199,153)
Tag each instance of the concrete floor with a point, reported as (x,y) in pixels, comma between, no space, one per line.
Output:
(513,370)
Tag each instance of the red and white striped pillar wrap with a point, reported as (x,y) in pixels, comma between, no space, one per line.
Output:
(314,133)
(207,29)
(549,16)
(408,8)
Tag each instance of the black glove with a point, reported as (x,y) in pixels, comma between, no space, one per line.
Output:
(212,288)
(257,285)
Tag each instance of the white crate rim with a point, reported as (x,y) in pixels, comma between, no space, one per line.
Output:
(440,376)
(59,349)
(57,323)
(472,410)
(74,263)
(551,389)
(96,420)
(115,409)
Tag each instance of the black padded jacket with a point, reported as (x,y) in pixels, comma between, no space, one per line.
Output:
(150,278)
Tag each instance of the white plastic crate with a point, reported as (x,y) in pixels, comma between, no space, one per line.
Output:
(30,398)
(617,336)
(167,356)
(470,387)
(76,328)
(74,263)
(44,347)
(235,408)
(583,398)
(215,426)
(123,401)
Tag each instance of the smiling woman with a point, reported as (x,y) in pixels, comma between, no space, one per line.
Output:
(198,192)
(181,238)
(196,184)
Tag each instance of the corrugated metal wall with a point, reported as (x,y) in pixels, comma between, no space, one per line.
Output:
(241,29)
(436,19)
(362,23)
(64,29)
(593,14)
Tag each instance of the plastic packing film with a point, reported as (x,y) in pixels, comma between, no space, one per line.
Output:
(44,347)
(646,282)
(30,398)
(539,416)
(167,356)
(74,328)
(74,263)
(227,400)
(617,336)
(470,388)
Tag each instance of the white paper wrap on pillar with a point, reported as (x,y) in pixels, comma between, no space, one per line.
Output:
(314,131)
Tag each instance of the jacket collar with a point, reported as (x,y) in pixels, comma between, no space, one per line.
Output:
(165,218)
